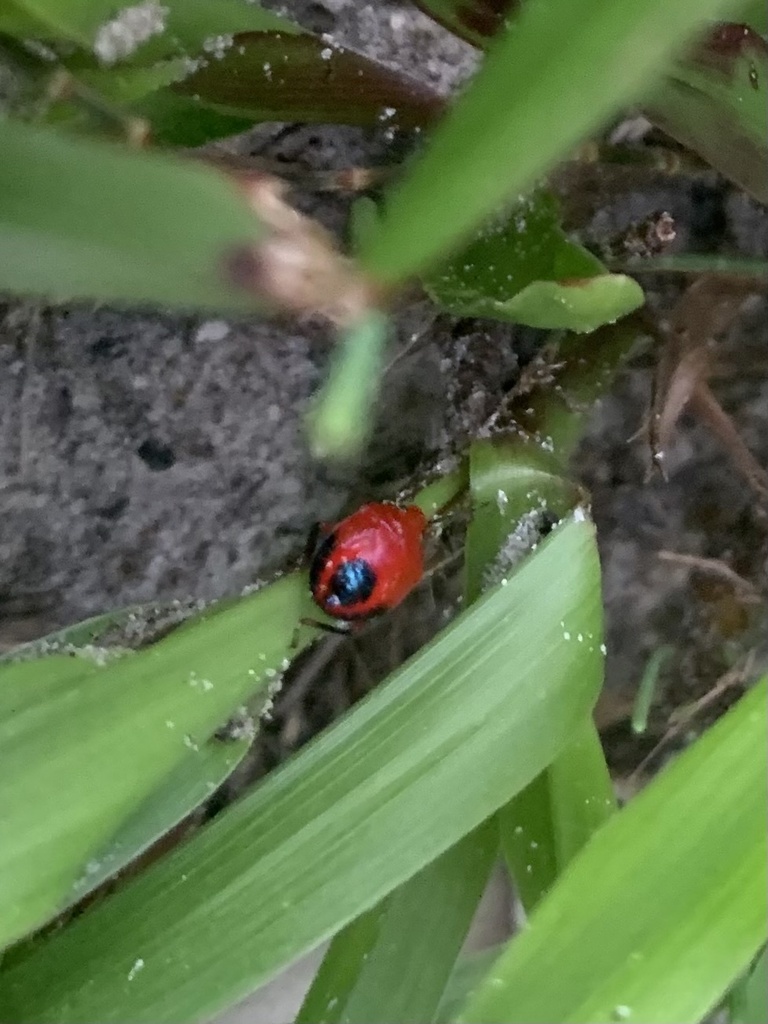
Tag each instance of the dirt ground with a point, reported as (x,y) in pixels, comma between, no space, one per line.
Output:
(146,456)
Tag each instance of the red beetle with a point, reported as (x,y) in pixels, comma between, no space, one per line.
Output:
(369,562)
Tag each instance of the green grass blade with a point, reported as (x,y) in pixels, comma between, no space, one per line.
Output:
(393,963)
(646,689)
(465,978)
(421,762)
(85,220)
(546,825)
(557,74)
(664,908)
(82,746)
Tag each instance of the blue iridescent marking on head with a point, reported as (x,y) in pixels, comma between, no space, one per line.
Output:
(352,583)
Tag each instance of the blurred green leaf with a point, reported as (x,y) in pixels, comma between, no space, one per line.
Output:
(664,907)
(531,101)
(393,963)
(81,220)
(523,268)
(268,76)
(354,815)
(714,102)
(341,417)
(18,22)
(82,746)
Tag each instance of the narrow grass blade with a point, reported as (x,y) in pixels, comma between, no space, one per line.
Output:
(646,689)
(393,963)
(421,762)
(664,908)
(546,825)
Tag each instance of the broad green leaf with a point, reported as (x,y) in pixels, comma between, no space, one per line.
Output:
(269,76)
(581,304)
(393,963)
(546,825)
(476,714)
(210,25)
(81,220)
(664,907)
(195,778)
(82,746)
(524,269)
(714,102)
(529,104)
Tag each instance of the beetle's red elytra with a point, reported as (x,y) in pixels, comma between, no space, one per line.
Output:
(369,562)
